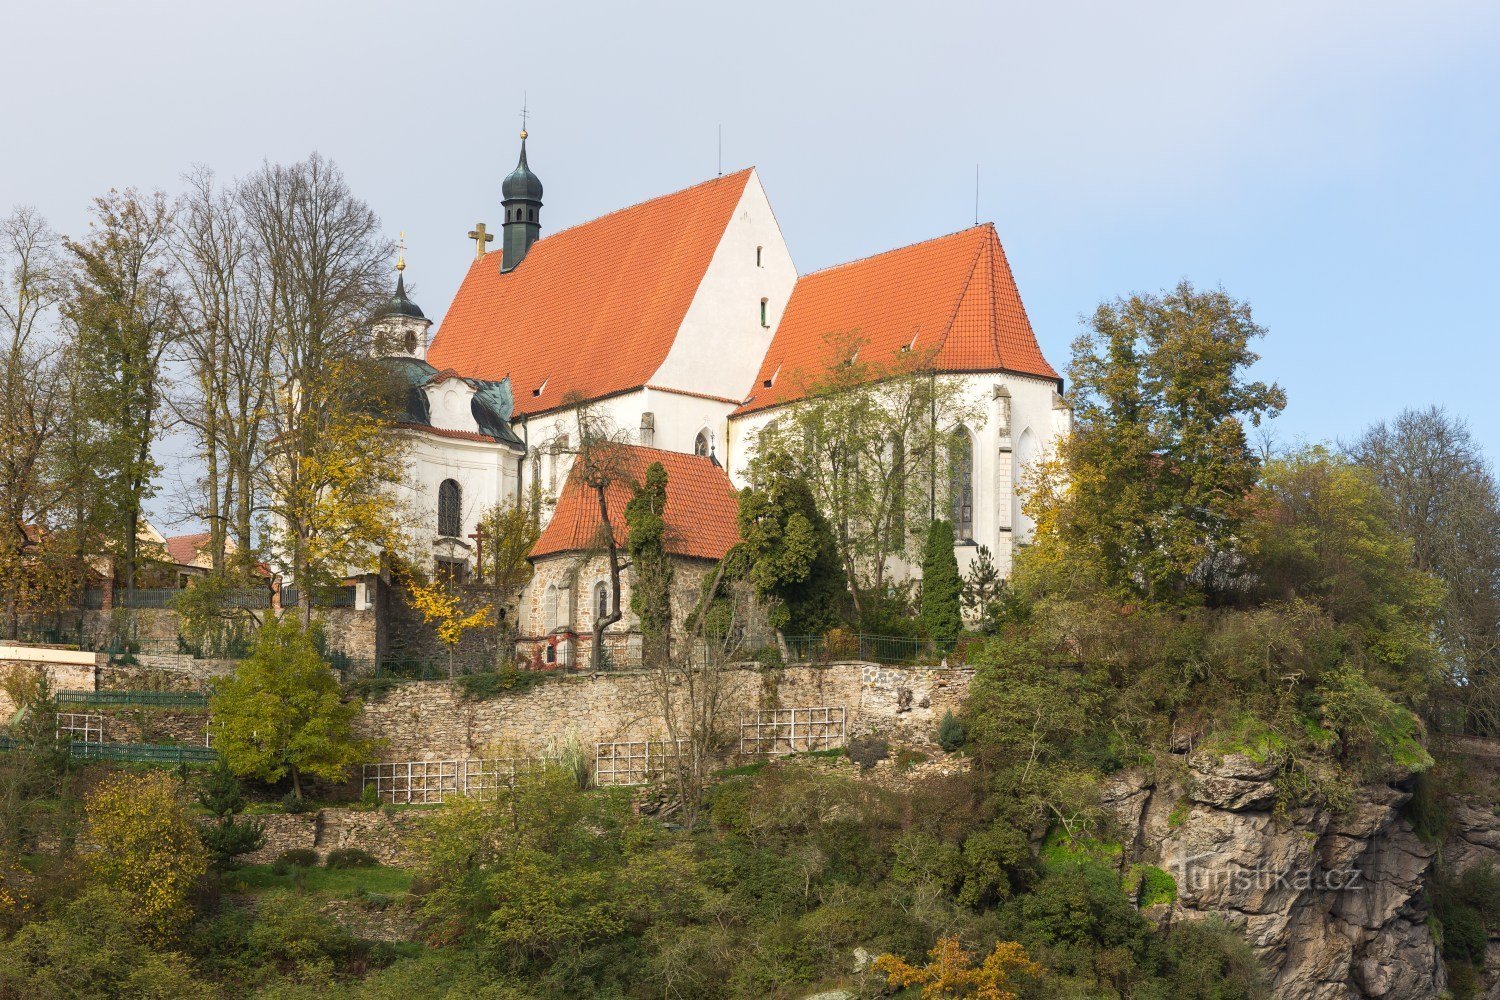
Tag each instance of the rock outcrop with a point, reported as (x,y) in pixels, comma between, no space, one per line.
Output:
(1332,903)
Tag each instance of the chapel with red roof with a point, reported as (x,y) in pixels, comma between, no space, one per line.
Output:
(682,323)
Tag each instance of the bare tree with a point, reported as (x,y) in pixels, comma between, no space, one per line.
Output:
(602,459)
(32,272)
(225,349)
(321,271)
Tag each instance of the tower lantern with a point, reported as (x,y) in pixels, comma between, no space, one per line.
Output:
(521,196)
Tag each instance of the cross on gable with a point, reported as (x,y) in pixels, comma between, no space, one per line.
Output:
(480,238)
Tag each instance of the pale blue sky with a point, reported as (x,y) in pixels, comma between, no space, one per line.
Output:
(1336,164)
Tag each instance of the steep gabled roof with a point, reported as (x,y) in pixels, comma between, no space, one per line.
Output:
(702,510)
(591,310)
(954,295)
(184,550)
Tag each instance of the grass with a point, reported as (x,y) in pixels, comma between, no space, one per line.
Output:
(1249,736)
(1060,851)
(349,882)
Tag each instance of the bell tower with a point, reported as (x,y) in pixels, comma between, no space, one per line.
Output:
(521,196)
(401,328)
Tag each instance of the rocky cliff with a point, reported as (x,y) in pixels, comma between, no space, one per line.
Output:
(1333,903)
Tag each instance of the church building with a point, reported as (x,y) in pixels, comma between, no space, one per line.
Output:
(682,322)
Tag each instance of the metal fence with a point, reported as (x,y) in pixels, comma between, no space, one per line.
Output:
(150,753)
(332,597)
(422,781)
(634,762)
(792,730)
(159,699)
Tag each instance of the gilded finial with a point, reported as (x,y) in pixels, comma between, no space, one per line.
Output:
(401,253)
(524,113)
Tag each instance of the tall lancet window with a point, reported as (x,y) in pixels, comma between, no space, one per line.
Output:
(450,509)
(961,482)
(700,444)
(601,600)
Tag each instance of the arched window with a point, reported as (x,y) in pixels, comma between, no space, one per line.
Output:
(961,482)
(1026,458)
(757,256)
(601,600)
(411,342)
(700,444)
(763,312)
(450,507)
(549,608)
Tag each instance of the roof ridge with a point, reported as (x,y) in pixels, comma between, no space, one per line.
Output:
(887,253)
(635,205)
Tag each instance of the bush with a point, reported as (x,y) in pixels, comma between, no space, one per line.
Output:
(868,751)
(370,797)
(349,857)
(951,734)
(770,658)
(290,803)
(490,684)
(299,857)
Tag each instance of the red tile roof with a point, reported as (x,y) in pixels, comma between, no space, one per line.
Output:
(592,310)
(183,549)
(702,510)
(953,295)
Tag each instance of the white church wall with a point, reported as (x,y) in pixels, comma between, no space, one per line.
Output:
(722,340)
(486,476)
(1026,415)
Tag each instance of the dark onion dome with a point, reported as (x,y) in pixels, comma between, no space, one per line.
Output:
(521,184)
(400,305)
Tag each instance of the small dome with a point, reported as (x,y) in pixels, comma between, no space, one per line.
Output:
(400,305)
(521,184)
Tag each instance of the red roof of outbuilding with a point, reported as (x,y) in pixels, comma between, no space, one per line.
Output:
(702,510)
(954,295)
(591,310)
(183,549)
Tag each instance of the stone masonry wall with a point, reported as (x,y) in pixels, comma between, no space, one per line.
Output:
(66,670)
(432,720)
(384,834)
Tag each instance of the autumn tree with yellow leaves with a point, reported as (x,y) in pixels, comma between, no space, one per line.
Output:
(147,848)
(950,971)
(442,606)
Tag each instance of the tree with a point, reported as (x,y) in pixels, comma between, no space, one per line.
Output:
(866,440)
(123,310)
(281,714)
(950,971)
(984,590)
(32,275)
(151,854)
(329,480)
(1151,490)
(511,532)
(1444,498)
(441,603)
(942,587)
(651,593)
(602,459)
(225,348)
(227,837)
(788,551)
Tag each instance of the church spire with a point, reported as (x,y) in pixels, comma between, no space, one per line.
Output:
(521,196)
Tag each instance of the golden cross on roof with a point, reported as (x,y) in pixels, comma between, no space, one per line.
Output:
(480,238)
(401,252)
(523,114)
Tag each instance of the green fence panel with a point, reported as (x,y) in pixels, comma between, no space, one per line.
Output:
(160,699)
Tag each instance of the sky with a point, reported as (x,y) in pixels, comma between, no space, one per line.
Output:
(1335,164)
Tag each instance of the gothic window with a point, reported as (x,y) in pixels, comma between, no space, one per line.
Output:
(450,506)
(549,608)
(1026,456)
(601,600)
(700,444)
(961,482)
